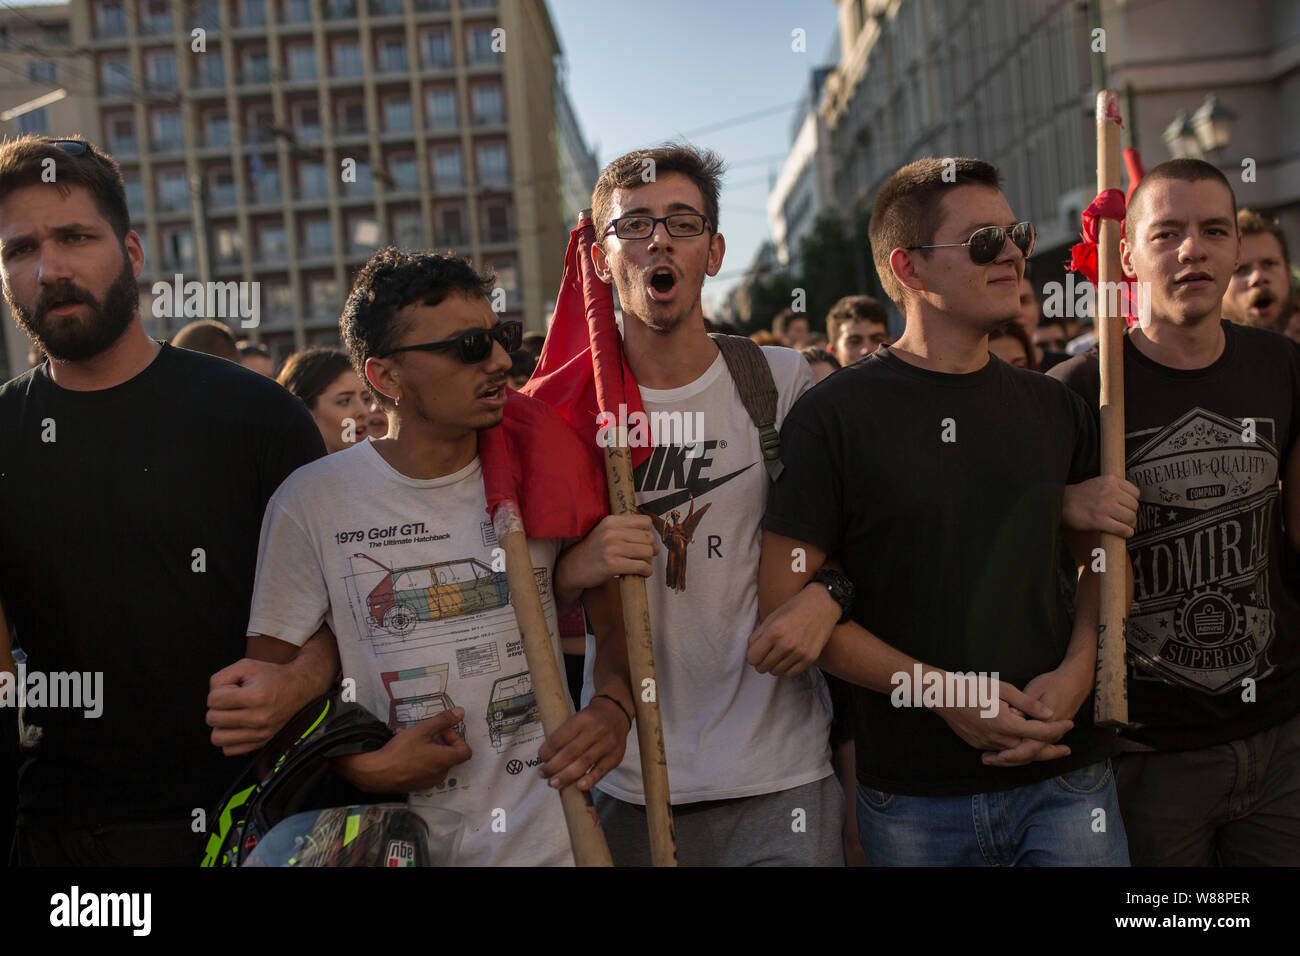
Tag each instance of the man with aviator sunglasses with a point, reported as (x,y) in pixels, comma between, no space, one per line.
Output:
(944,507)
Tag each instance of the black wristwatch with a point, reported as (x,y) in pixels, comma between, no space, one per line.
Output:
(840,588)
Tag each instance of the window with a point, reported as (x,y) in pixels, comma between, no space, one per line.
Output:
(406,176)
(492,165)
(323,295)
(435,50)
(178,249)
(397,116)
(496,222)
(351,117)
(487,104)
(134,194)
(229,245)
(211,69)
(266,179)
(302,62)
(447,172)
(480,45)
(217,130)
(208,14)
(347,58)
(155,17)
(441,106)
(385,8)
(120,130)
(339,9)
(160,68)
(277,301)
(115,74)
(43,71)
(34,121)
(221,188)
(451,226)
(166,126)
(252,13)
(408,230)
(311,181)
(110,19)
(273,243)
(297,11)
(363,236)
(306,125)
(173,190)
(392,56)
(318,238)
(365,181)
(424,6)
(257,67)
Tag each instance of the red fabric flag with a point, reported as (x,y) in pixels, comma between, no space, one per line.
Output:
(582,370)
(534,458)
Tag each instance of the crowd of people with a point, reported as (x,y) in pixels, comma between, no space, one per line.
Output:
(877,646)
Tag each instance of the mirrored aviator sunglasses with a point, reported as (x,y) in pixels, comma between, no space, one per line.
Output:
(986,244)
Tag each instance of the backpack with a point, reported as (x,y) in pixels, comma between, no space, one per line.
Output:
(292,774)
(753,378)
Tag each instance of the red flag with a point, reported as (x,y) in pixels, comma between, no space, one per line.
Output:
(582,370)
(534,458)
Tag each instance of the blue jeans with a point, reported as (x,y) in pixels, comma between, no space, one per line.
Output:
(1053,823)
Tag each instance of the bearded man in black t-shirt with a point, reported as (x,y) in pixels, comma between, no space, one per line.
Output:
(934,474)
(1211,415)
(133,479)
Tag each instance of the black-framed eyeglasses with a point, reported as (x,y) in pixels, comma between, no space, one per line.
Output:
(473,346)
(680,225)
(985,244)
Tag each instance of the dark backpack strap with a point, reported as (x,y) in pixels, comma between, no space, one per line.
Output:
(753,377)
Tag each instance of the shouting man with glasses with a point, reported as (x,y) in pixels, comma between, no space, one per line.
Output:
(944,508)
(389,542)
(748,757)
(126,552)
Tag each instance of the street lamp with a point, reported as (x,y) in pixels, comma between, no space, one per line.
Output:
(1212,122)
(1180,137)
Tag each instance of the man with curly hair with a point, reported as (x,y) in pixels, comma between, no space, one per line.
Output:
(388,542)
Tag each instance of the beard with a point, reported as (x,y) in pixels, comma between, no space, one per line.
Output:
(74,339)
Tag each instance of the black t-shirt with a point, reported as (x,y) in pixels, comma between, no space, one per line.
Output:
(1211,602)
(106,499)
(952,545)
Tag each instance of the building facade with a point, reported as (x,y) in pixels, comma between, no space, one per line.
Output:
(283,141)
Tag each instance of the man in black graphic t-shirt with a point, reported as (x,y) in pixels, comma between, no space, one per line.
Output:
(133,478)
(1212,412)
(943,505)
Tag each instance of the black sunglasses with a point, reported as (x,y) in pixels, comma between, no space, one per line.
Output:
(473,346)
(985,244)
(76,147)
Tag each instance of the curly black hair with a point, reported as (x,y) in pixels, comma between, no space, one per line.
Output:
(389,282)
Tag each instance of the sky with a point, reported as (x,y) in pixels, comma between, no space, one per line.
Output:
(640,73)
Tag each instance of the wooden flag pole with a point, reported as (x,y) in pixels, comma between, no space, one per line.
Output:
(585,834)
(1112,694)
(632,592)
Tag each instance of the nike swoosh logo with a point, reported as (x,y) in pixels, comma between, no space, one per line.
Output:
(697,489)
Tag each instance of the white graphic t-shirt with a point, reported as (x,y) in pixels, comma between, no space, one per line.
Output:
(729,731)
(403,569)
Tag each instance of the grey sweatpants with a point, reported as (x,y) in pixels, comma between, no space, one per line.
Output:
(797,827)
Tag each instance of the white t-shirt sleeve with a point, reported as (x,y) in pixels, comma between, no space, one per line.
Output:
(793,376)
(290,596)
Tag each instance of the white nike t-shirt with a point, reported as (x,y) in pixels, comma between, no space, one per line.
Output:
(729,731)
